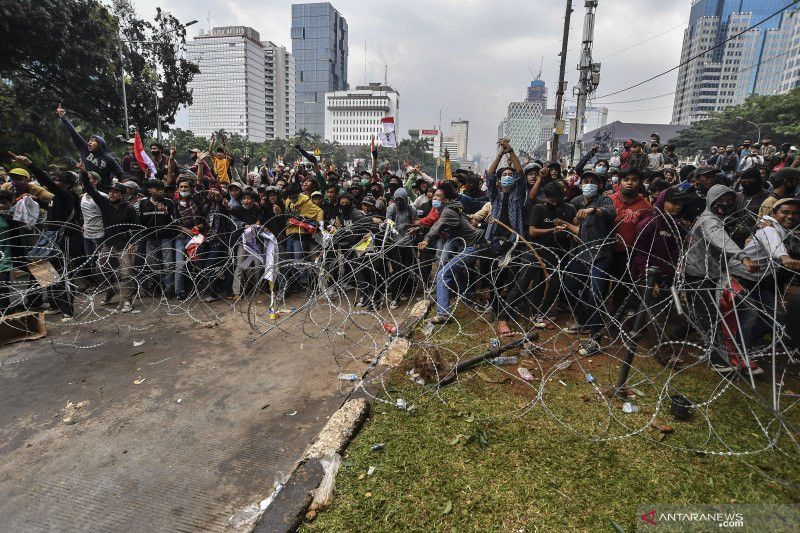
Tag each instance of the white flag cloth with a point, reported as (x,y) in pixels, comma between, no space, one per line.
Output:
(260,246)
(388,138)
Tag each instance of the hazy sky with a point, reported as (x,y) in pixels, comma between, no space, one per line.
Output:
(469,58)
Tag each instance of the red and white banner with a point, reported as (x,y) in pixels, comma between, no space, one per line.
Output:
(388,138)
(145,163)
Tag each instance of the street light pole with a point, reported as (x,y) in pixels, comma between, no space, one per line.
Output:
(758,128)
(558,126)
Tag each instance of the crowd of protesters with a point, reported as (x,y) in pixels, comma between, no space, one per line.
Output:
(532,241)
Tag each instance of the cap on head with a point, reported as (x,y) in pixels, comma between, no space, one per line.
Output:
(785,201)
(19,171)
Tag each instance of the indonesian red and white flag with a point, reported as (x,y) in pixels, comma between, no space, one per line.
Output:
(145,163)
(388,138)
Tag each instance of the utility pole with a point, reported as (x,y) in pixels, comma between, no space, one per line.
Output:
(589,79)
(558,127)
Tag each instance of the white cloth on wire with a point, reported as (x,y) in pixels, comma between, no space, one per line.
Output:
(260,246)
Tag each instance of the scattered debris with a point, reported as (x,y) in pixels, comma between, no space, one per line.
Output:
(525,374)
(589,378)
(628,407)
(341,333)
(401,404)
(368,495)
(71,414)
(136,344)
(157,362)
(370,470)
(427,329)
(376,447)
(509,360)
(563,365)
(137,353)
(397,350)
(182,362)
(448,508)
(663,428)
(494,342)
(323,495)
(389,328)
(292,413)
(139,381)
(245,516)
(348,377)
(562,382)
(264,406)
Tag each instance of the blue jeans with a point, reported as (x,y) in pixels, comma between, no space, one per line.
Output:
(295,250)
(585,296)
(181,241)
(159,257)
(447,278)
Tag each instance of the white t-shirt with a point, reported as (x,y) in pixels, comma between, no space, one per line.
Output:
(765,247)
(92,218)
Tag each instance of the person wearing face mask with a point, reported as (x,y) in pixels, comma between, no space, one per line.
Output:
(246,214)
(784,184)
(159,160)
(402,215)
(630,207)
(728,162)
(219,226)
(156,214)
(587,270)
(753,193)
(94,153)
(20,183)
(12,252)
(507,197)
(710,249)
(114,256)
(189,221)
(554,240)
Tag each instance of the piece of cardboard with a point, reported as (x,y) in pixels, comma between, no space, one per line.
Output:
(44,273)
(23,326)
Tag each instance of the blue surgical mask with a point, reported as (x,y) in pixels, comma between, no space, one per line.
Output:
(185,194)
(600,169)
(507,181)
(589,189)
(436,203)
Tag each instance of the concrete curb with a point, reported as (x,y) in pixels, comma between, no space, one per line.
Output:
(287,510)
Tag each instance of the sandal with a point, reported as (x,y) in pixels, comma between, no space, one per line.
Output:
(439,320)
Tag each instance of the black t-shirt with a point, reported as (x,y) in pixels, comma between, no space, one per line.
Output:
(505,218)
(542,217)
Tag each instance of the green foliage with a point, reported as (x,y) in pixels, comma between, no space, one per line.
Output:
(777,115)
(67,51)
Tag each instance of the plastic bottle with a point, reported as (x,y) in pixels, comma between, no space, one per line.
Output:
(512,360)
(348,377)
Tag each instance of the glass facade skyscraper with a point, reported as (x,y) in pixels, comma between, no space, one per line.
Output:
(319,46)
(752,63)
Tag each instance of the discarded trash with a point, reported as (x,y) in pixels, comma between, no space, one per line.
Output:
(245,516)
(139,381)
(511,360)
(628,407)
(292,413)
(663,428)
(324,493)
(264,406)
(389,328)
(563,365)
(341,333)
(401,404)
(182,362)
(368,495)
(427,329)
(448,508)
(348,377)
(562,382)
(680,407)
(135,311)
(370,470)
(70,412)
(494,342)
(376,447)
(589,378)
(525,374)
(137,343)
(180,400)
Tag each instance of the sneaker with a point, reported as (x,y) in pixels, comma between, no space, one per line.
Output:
(394,304)
(576,329)
(66,318)
(108,297)
(126,307)
(181,296)
(589,347)
(362,302)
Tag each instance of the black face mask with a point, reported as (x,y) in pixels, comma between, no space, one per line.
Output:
(346,209)
(393,187)
(723,210)
(750,188)
(400,201)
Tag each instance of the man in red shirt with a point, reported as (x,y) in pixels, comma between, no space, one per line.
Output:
(631,207)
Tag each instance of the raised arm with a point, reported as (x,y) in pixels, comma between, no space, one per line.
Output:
(77,140)
(171,167)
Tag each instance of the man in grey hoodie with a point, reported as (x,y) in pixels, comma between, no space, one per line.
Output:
(401,257)
(710,250)
(458,226)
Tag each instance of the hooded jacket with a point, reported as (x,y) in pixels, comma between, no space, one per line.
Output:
(710,246)
(455,223)
(400,215)
(658,242)
(101,162)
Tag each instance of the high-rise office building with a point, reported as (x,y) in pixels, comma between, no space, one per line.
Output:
(319,46)
(459,131)
(279,80)
(764,60)
(434,138)
(524,121)
(229,91)
(353,117)
(245,86)
(537,92)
